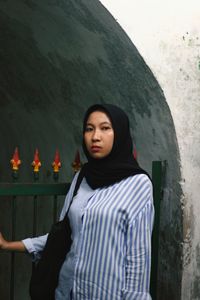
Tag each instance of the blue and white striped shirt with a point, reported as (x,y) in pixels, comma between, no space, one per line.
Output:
(114,254)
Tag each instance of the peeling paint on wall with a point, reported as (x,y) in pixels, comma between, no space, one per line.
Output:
(169,40)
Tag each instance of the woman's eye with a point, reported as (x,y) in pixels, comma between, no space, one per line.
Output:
(88,129)
(105,128)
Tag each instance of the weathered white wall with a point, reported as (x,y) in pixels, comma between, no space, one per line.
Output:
(167,35)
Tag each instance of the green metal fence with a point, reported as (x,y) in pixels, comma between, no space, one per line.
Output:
(36,192)
(28,192)
(158,179)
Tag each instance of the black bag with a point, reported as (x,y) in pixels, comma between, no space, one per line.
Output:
(45,273)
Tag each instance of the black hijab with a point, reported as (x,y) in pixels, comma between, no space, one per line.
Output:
(119,163)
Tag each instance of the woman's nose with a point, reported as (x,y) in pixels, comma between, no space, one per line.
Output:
(96,135)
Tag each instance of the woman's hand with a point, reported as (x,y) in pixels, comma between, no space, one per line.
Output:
(11,246)
(3,242)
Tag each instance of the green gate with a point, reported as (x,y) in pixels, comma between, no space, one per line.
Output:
(15,268)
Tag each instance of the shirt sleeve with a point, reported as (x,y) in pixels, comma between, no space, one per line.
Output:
(34,246)
(138,255)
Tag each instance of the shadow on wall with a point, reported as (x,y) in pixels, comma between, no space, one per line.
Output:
(59,57)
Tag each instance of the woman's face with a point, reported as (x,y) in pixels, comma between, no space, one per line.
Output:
(98,135)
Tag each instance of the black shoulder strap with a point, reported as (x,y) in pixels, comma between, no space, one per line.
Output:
(78,182)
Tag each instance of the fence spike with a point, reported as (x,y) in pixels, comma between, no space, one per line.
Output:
(76,165)
(56,163)
(36,164)
(15,161)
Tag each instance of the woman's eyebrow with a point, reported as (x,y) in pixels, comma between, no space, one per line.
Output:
(106,123)
(102,123)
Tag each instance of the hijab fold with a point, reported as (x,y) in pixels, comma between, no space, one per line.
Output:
(120,163)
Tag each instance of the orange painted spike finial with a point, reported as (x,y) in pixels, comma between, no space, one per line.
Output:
(15,161)
(36,162)
(56,163)
(76,165)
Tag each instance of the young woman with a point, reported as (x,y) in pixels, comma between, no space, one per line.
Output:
(111,217)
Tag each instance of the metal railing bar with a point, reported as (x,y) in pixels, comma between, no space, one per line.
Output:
(33,189)
(158,175)
(12,274)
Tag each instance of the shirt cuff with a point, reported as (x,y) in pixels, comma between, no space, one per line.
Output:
(29,245)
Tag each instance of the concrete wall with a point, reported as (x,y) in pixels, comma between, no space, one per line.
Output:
(57,58)
(167,36)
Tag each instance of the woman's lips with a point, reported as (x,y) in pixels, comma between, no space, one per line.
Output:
(95,148)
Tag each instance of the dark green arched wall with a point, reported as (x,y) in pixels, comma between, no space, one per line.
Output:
(57,58)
